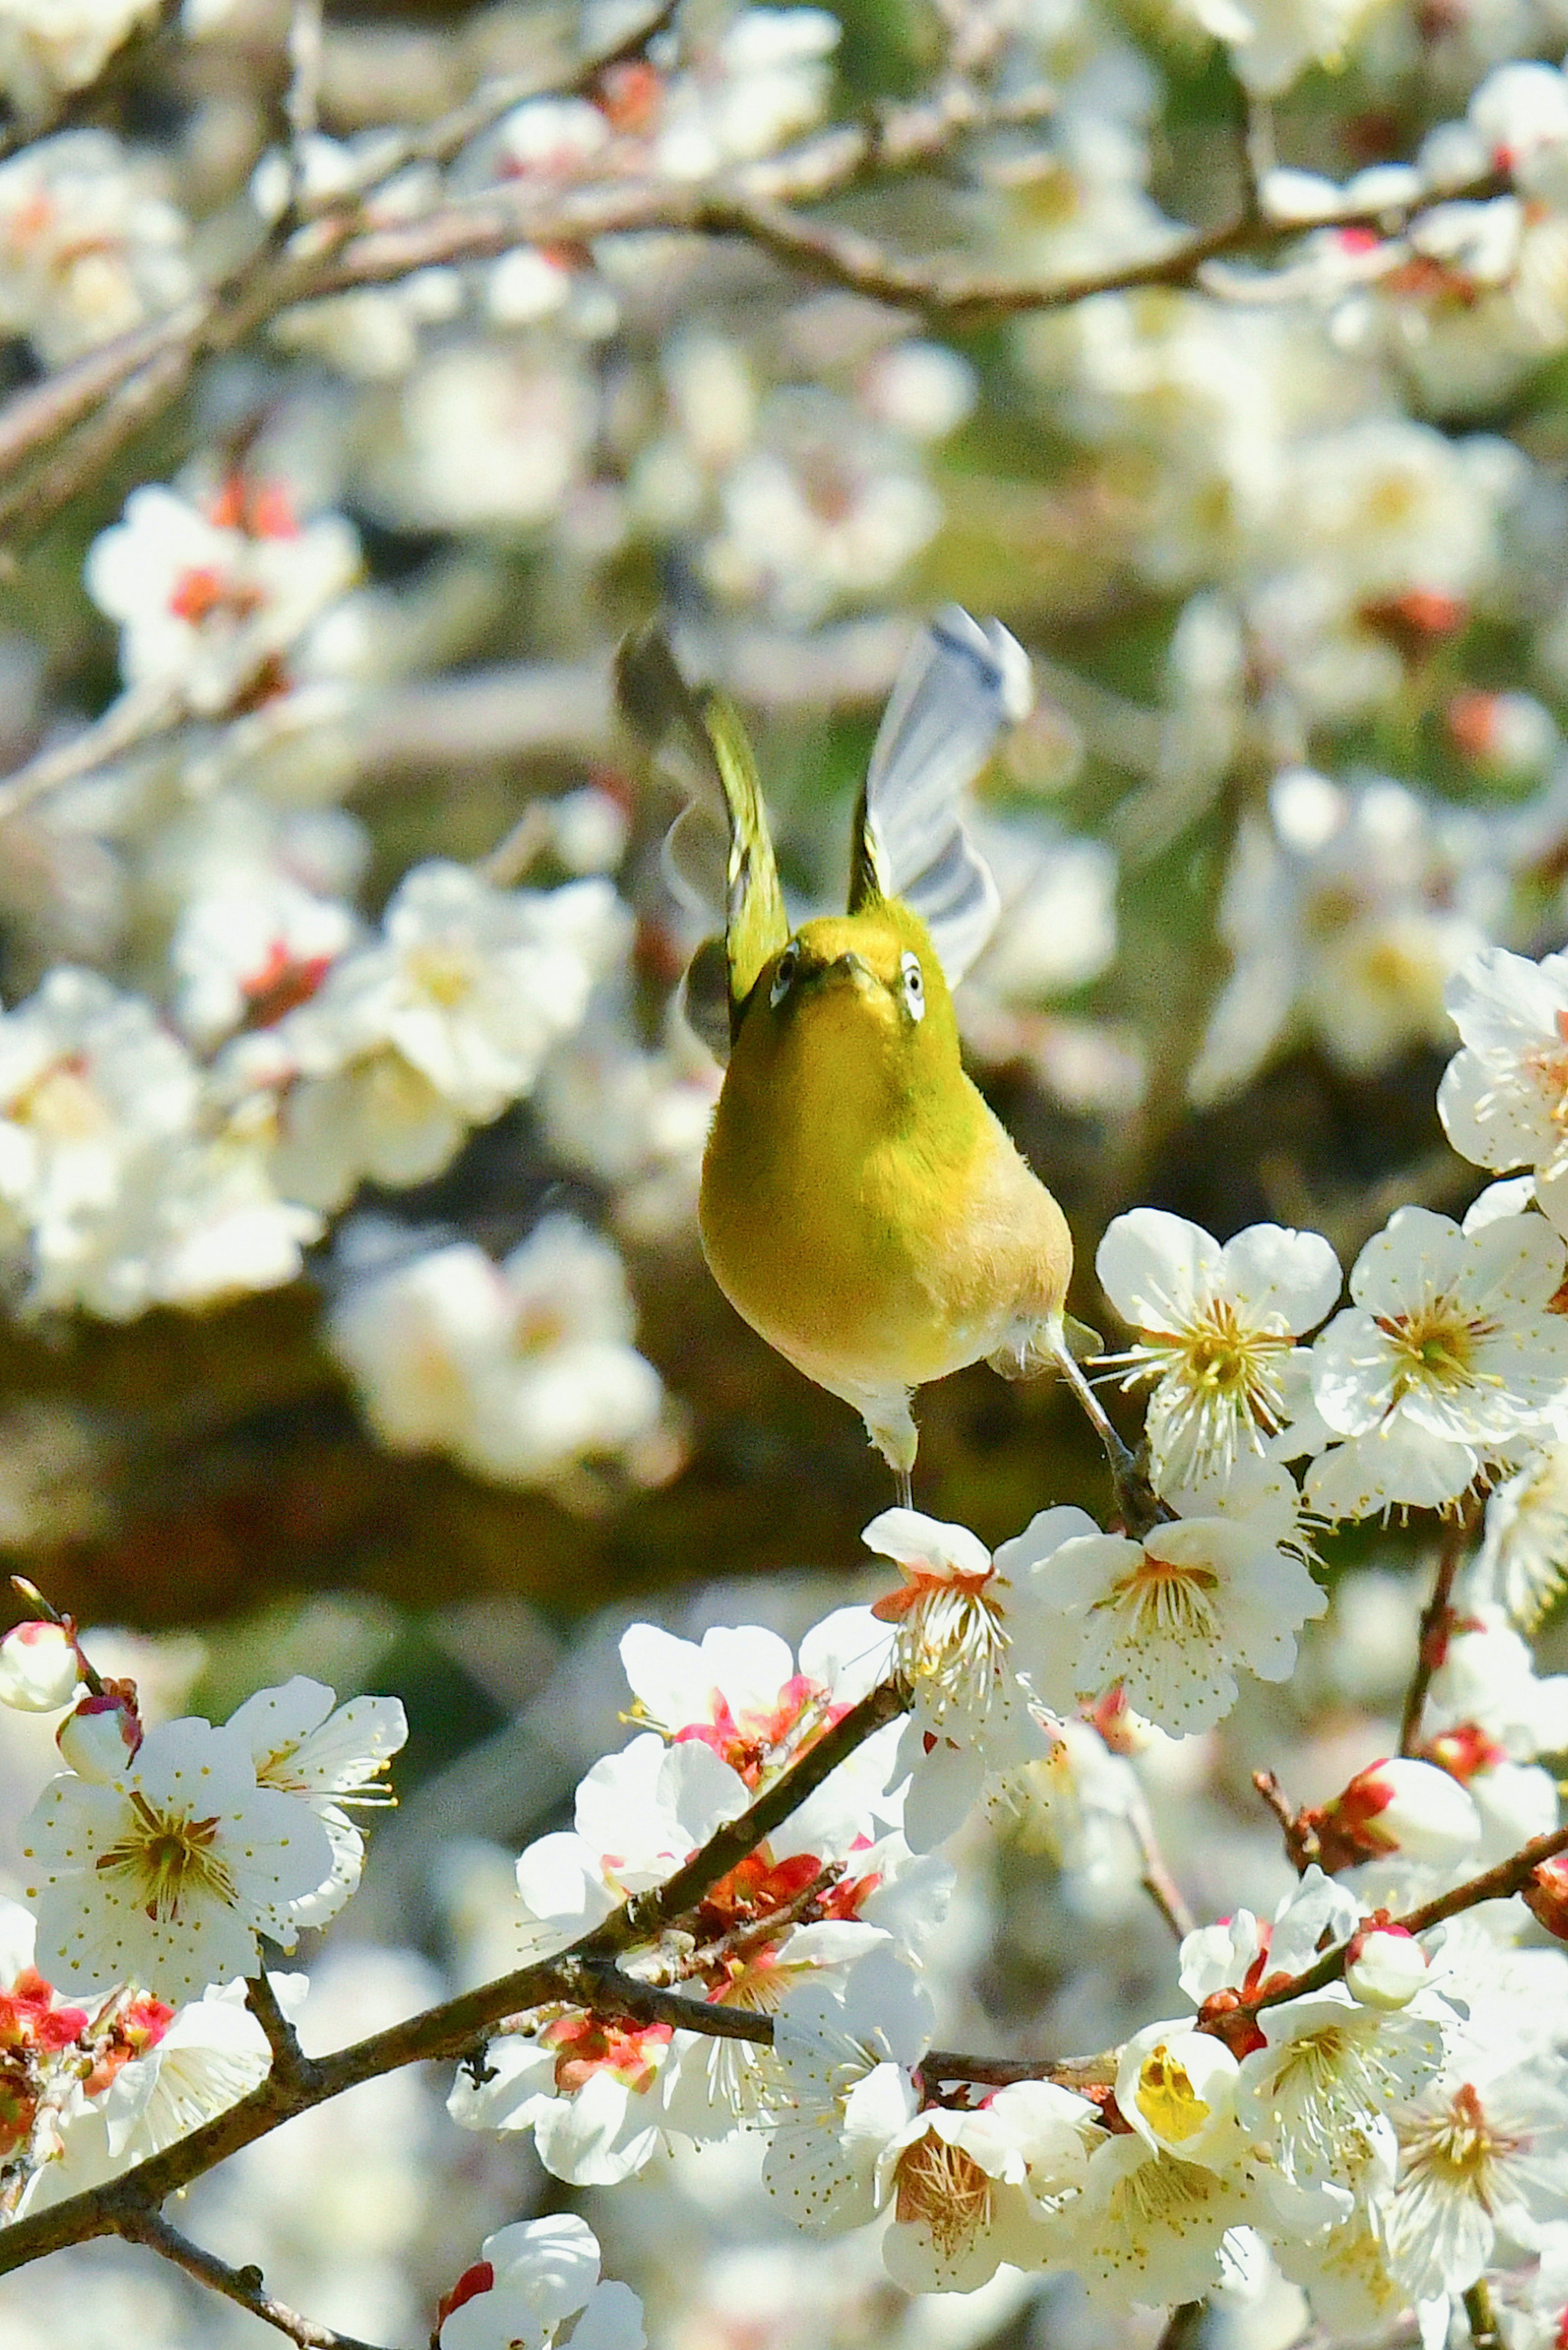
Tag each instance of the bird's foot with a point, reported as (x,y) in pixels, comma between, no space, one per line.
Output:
(1137,1504)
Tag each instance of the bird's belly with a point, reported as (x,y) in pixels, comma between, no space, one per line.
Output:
(841,1294)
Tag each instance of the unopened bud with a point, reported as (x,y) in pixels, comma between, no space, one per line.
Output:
(101,1737)
(1398,1805)
(1545,1895)
(1386,1967)
(38,1668)
(479,2278)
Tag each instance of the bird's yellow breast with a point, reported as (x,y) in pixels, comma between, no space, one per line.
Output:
(861,1206)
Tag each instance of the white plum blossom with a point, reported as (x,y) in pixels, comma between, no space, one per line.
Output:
(246,956)
(1221,1588)
(1217,1329)
(1523,1557)
(1503,1100)
(1448,1353)
(435,1026)
(972,2188)
(1475,2155)
(845,2052)
(191,1223)
(333,1759)
(519,1371)
(1404,1806)
(1319,2089)
(89,244)
(1486,1681)
(211,599)
(1345,910)
(1237,1954)
(212,2053)
(87,1075)
(1176,2086)
(164,1875)
(529,2279)
(970,1633)
(588,2088)
(1148,2228)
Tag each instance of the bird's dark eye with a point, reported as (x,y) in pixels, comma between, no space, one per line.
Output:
(914,980)
(787,964)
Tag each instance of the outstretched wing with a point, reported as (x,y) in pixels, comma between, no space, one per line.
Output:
(963,681)
(719,852)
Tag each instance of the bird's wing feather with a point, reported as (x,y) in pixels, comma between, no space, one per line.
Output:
(963,682)
(719,852)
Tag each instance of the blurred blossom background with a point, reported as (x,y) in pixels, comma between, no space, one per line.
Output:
(354,1318)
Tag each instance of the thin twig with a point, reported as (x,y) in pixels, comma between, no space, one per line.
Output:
(1156,1879)
(138,716)
(241,2286)
(1300,1841)
(1436,1623)
(444,139)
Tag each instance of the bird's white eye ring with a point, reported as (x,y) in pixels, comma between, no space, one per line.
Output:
(784,973)
(914,981)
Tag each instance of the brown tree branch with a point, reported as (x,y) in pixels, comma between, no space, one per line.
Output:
(457,2025)
(241,2286)
(99,402)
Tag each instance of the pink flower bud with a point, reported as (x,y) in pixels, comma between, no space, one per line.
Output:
(1546,1895)
(1398,1805)
(101,1737)
(479,2278)
(1386,1967)
(38,1670)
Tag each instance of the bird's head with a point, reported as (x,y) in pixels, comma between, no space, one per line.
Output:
(866,989)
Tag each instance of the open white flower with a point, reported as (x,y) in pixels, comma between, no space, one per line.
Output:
(972,2189)
(1176,2086)
(88,1077)
(469,983)
(1476,2156)
(332,1760)
(1173,1618)
(210,599)
(1319,2091)
(845,2052)
(518,1370)
(1523,1560)
(1503,1100)
(165,1875)
(970,1635)
(1150,2228)
(1218,1327)
(1448,1355)
(529,2279)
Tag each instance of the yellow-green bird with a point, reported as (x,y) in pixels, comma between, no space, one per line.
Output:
(862,1206)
